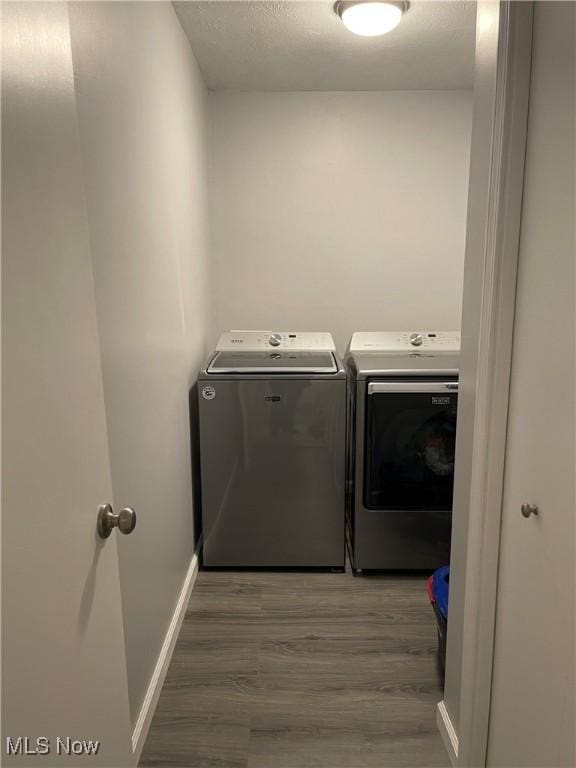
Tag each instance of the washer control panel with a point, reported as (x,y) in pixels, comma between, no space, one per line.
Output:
(253,341)
(397,342)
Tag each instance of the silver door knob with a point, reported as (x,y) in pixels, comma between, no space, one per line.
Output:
(125,520)
(528,509)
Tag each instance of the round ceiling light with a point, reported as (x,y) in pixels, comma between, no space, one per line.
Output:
(368,18)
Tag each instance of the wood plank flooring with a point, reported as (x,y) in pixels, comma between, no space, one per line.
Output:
(301,670)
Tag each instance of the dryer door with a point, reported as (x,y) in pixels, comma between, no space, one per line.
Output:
(409,448)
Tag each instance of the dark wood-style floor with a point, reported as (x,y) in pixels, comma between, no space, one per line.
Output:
(301,670)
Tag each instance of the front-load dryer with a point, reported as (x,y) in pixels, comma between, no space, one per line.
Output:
(403,396)
(272,413)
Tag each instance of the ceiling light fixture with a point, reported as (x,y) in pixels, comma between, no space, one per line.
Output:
(368,18)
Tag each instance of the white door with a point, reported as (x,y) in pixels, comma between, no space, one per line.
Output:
(532,714)
(64,667)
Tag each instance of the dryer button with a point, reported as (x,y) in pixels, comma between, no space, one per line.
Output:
(275,340)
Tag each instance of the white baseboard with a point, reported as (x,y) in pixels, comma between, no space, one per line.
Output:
(148,707)
(448,732)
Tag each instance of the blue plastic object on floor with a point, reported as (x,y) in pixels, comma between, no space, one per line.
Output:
(440,587)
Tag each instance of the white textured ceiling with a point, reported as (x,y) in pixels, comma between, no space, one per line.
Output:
(301,45)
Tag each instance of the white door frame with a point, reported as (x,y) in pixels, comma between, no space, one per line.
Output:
(502,82)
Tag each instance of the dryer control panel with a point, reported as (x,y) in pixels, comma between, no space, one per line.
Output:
(254,341)
(397,342)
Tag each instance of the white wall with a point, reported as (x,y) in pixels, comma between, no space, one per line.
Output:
(141,106)
(339,211)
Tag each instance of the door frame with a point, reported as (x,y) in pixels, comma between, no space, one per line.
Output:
(502,83)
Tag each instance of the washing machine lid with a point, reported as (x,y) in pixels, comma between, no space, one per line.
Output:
(273,362)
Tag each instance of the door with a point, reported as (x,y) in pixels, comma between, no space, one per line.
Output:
(532,709)
(410,441)
(64,669)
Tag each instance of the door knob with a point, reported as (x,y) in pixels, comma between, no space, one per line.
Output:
(125,520)
(528,509)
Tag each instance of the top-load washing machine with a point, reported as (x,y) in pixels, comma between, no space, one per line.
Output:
(403,396)
(272,417)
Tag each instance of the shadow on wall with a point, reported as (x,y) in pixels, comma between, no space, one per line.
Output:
(89,588)
(195,462)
